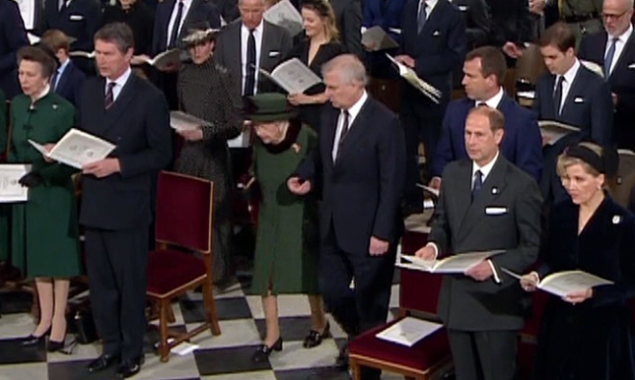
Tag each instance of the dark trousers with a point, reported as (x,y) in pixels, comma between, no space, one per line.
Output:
(365,306)
(421,123)
(116,263)
(484,355)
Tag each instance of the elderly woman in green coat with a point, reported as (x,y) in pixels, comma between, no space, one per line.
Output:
(286,255)
(44,233)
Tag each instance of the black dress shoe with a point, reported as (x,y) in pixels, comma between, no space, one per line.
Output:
(54,346)
(33,340)
(342,359)
(263,352)
(129,367)
(102,362)
(314,338)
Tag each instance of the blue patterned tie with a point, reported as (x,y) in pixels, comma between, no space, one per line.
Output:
(608,60)
(478,183)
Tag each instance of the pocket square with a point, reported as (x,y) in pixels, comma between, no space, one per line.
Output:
(274,53)
(578,100)
(76,17)
(463,8)
(436,33)
(495,210)
(631,66)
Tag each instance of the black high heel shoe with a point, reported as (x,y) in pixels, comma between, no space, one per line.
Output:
(315,338)
(54,346)
(33,340)
(263,352)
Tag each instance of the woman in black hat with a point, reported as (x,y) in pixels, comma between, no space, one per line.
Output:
(204,91)
(286,257)
(587,333)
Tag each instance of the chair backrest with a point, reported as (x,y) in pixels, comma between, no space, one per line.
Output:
(621,185)
(418,291)
(530,66)
(184,211)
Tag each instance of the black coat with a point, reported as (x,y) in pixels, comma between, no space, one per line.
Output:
(140,18)
(591,340)
(79,20)
(12,38)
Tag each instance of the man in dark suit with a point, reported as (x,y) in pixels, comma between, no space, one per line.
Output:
(228,9)
(513,26)
(433,44)
(131,113)
(172,20)
(272,45)
(12,38)
(67,81)
(348,16)
(76,18)
(360,160)
(478,21)
(484,72)
(486,203)
(614,50)
(570,94)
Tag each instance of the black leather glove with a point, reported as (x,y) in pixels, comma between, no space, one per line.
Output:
(31,179)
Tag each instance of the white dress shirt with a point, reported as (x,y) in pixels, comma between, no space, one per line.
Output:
(430,4)
(244,38)
(569,76)
(120,82)
(186,8)
(353,111)
(60,72)
(494,101)
(619,45)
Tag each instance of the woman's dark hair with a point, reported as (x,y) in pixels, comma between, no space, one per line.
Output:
(46,59)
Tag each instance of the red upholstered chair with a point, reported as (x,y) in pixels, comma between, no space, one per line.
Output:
(183,221)
(418,293)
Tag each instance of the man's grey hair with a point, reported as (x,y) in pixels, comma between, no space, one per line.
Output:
(262,2)
(117,33)
(350,68)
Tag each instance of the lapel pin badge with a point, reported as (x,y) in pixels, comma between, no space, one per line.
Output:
(54,106)
(617,219)
(494,190)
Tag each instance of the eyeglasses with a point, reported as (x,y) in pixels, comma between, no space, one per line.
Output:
(613,16)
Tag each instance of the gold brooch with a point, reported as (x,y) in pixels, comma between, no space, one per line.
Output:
(296,148)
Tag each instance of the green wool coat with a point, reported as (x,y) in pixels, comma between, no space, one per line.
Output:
(286,257)
(4,221)
(44,230)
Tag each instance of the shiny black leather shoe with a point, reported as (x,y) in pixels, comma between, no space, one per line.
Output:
(102,362)
(130,367)
(342,359)
(54,346)
(263,352)
(315,338)
(33,340)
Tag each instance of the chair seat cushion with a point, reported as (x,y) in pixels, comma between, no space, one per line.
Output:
(425,354)
(170,269)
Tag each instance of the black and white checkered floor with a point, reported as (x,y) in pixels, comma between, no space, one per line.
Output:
(224,357)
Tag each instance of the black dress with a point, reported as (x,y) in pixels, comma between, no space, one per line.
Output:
(593,339)
(310,113)
(139,17)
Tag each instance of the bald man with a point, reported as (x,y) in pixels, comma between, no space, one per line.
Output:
(614,50)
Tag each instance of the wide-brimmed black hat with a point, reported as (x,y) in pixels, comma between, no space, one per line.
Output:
(199,33)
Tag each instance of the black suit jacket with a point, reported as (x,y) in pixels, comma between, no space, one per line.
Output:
(588,105)
(505,215)
(79,20)
(361,190)
(69,85)
(200,10)
(438,50)
(348,16)
(12,38)
(621,81)
(512,19)
(478,21)
(228,9)
(138,123)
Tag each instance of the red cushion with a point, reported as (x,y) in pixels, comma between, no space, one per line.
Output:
(169,269)
(425,354)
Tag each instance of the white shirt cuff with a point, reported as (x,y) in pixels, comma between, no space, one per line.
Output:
(494,272)
(436,249)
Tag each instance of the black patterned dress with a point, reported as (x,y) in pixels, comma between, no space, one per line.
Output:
(204,91)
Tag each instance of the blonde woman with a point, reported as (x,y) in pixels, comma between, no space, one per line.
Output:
(320,46)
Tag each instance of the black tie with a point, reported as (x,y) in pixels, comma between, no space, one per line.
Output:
(421,16)
(250,78)
(343,132)
(557,95)
(175,27)
(478,183)
(110,96)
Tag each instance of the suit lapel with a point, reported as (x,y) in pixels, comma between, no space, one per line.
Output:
(626,51)
(121,104)
(493,186)
(264,47)
(576,88)
(63,81)
(354,132)
(437,13)
(551,106)
(330,130)
(188,19)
